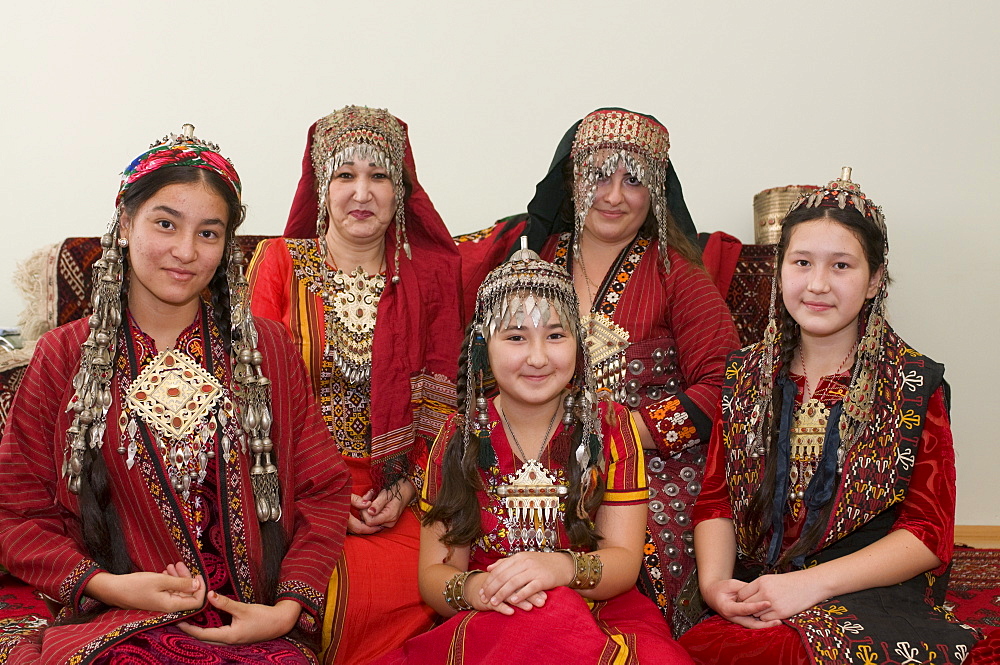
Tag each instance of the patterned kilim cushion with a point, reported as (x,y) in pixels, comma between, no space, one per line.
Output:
(974,589)
(10,379)
(750,292)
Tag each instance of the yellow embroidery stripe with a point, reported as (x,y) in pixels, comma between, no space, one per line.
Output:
(626,496)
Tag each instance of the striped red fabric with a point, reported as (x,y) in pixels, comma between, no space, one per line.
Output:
(39,518)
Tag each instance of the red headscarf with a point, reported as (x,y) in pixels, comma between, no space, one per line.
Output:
(418,326)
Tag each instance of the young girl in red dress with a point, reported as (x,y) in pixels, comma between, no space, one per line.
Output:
(825,527)
(535,499)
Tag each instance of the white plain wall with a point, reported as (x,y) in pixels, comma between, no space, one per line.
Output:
(755,94)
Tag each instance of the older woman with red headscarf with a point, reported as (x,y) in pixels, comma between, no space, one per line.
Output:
(367,282)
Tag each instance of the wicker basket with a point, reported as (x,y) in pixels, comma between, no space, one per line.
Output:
(770,207)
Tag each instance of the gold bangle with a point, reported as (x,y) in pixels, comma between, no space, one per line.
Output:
(587,569)
(454,590)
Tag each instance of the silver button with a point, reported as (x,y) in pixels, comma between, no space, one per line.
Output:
(671,551)
(653,393)
(694,488)
(666,535)
(681,518)
(636,366)
(678,505)
(672,385)
(633,400)
(658,354)
(689,550)
(661,519)
(633,385)
(688,474)
(652,493)
(656,506)
(671,489)
(688,537)
(655,464)
(657,370)
(676,569)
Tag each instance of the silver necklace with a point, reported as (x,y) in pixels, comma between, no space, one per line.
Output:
(517,443)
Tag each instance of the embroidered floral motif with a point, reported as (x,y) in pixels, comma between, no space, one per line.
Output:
(674,425)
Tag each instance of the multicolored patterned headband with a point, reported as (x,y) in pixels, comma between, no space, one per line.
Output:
(183,149)
(608,138)
(841,193)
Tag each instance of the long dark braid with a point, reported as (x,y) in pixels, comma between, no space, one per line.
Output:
(581,531)
(759,511)
(456,505)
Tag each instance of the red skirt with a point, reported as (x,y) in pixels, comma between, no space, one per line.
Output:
(373,601)
(718,640)
(625,630)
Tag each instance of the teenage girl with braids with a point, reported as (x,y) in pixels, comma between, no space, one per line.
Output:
(158,487)
(825,527)
(535,498)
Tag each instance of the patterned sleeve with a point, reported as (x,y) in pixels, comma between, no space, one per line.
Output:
(626,466)
(315,482)
(432,478)
(39,526)
(928,511)
(704,332)
(433,399)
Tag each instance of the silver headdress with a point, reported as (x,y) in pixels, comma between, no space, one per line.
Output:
(363,133)
(526,287)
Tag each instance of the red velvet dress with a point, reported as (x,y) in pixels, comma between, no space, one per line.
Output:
(625,629)
(215,531)
(857,621)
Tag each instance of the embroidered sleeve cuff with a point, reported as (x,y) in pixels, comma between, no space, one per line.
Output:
(312,603)
(675,424)
(71,590)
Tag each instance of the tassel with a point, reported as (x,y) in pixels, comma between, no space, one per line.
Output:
(487,457)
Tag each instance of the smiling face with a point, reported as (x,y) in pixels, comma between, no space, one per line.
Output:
(176,240)
(532,364)
(825,279)
(621,205)
(360,202)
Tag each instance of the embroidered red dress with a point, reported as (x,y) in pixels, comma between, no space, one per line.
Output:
(900,477)
(625,629)
(371,612)
(214,530)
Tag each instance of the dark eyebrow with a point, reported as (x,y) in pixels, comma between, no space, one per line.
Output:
(168,210)
(174,213)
